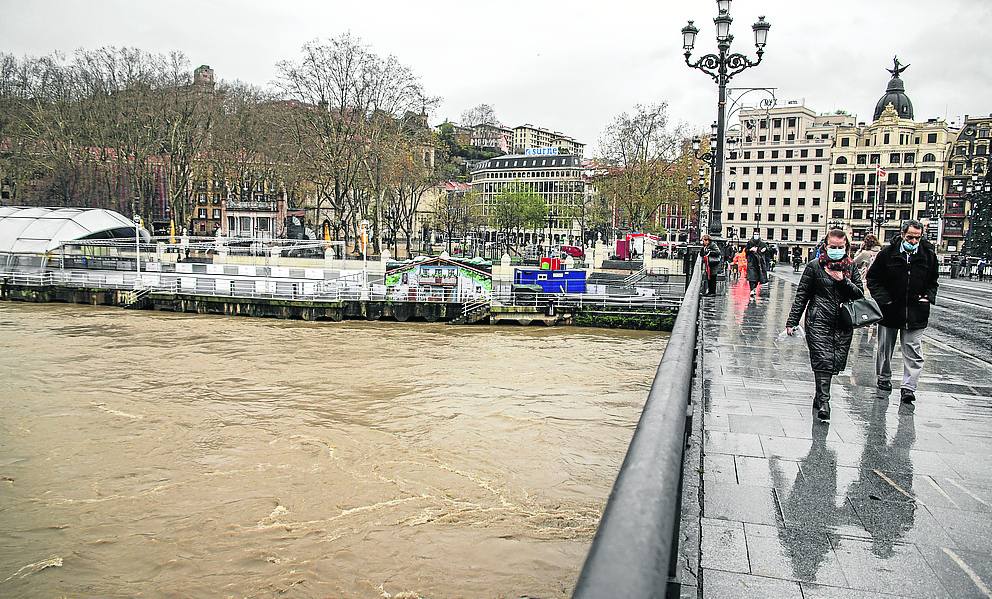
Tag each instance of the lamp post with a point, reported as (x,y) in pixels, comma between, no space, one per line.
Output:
(137,250)
(698,187)
(722,67)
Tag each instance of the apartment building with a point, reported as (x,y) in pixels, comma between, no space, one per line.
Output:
(528,136)
(778,177)
(967,159)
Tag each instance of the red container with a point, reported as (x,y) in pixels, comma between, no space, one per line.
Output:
(550,263)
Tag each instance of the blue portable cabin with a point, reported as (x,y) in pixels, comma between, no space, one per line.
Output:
(552,281)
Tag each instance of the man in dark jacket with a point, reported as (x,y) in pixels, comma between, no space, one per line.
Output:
(712,258)
(903,280)
(757,272)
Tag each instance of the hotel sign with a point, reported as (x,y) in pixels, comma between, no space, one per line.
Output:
(541,152)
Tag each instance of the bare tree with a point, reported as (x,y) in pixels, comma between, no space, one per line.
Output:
(646,162)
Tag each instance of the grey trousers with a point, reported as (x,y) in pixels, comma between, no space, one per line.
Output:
(912,355)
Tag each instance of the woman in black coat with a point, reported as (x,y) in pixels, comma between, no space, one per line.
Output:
(757,272)
(712,258)
(825,284)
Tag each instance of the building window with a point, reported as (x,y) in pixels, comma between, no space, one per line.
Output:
(747,155)
(745,185)
(777,123)
(201,213)
(840,178)
(801,202)
(761,154)
(841,160)
(789,153)
(859,196)
(792,121)
(760,170)
(816,201)
(906,197)
(908,158)
(788,185)
(819,152)
(802,185)
(785,217)
(845,142)
(837,213)
(893,179)
(216,215)
(744,201)
(894,158)
(803,153)
(771,201)
(802,170)
(856,214)
(786,201)
(785,234)
(907,178)
(800,218)
(862,158)
(771,218)
(773,185)
(815,218)
(769,233)
(959,169)
(788,170)
(775,152)
(817,169)
(730,216)
(817,184)
(773,170)
(839,196)
(799,234)
(931,138)
(747,170)
(859,179)
(885,139)
(875,159)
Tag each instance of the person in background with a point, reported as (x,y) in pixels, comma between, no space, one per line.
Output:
(826,282)
(797,258)
(757,273)
(903,280)
(712,257)
(869,249)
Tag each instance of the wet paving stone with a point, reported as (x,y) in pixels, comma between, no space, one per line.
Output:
(732,585)
(887,500)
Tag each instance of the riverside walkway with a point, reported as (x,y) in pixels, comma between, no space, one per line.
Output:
(886,501)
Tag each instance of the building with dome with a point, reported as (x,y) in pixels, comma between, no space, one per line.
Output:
(883,173)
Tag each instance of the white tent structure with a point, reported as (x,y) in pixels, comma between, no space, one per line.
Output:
(28,234)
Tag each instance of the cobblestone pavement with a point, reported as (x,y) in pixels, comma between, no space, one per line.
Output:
(885,501)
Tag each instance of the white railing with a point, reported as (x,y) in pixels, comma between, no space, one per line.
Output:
(588,301)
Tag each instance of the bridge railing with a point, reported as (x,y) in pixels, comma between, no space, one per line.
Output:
(635,552)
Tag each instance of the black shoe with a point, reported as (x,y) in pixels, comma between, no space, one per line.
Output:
(824,412)
(908,395)
(885,385)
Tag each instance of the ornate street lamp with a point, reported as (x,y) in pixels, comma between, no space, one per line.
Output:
(698,187)
(722,67)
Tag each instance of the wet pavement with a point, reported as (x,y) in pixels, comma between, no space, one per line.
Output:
(884,501)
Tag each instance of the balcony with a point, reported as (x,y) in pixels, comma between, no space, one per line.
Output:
(263,205)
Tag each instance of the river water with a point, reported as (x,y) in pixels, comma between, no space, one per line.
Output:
(158,454)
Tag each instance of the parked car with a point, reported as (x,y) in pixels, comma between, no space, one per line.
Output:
(573,251)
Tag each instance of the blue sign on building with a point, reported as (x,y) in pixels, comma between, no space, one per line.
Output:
(541,152)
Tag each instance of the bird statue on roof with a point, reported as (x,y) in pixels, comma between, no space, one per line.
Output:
(897,68)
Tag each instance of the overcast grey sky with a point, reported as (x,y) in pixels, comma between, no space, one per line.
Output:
(569,66)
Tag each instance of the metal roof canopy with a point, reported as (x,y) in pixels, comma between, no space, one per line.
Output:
(29,230)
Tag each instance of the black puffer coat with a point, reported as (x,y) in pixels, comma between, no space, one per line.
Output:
(828,338)
(898,281)
(756,270)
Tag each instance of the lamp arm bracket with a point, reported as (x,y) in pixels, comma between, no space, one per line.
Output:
(737,63)
(708,63)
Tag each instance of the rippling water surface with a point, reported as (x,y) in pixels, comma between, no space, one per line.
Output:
(161,454)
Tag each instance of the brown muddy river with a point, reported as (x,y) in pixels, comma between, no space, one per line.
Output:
(164,455)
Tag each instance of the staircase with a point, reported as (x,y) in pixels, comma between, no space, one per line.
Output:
(634,278)
(133,298)
(473,311)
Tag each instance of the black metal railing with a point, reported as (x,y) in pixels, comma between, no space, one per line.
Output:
(635,552)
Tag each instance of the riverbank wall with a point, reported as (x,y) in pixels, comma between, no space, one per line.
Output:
(333,310)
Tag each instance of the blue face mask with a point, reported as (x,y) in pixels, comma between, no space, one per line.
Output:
(910,247)
(835,254)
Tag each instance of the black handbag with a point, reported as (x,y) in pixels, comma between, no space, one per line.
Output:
(860,312)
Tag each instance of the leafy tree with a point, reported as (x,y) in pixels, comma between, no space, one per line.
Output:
(516,209)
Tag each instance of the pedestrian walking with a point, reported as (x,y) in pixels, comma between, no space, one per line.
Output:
(864,258)
(797,258)
(757,273)
(983,267)
(903,280)
(826,282)
(712,257)
(740,264)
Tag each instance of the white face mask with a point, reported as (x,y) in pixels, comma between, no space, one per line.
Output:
(755,236)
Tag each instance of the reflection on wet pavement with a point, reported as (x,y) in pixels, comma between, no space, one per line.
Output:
(885,501)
